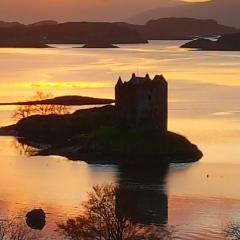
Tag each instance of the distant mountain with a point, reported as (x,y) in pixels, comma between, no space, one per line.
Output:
(10,24)
(180,28)
(43,23)
(105,34)
(71,33)
(224,11)
(4,24)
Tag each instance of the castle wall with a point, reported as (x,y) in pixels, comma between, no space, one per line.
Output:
(142,103)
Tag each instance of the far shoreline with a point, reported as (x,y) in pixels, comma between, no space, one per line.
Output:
(68,100)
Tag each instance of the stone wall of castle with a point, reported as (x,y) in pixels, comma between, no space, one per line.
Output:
(142,102)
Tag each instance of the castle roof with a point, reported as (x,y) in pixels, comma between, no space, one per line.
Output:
(138,80)
(141,80)
(159,78)
(119,82)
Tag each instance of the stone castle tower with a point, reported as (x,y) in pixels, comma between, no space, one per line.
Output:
(142,102)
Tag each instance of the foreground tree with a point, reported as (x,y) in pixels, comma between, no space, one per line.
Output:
(22,112)
(232,231)
(15,230)
(100,221)
(24,149)
(39,108)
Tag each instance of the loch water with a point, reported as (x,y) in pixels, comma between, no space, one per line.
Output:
(199,200)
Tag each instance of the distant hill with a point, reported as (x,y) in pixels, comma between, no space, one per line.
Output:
(224,11)
(11,25)
(43,23)
(66,100)
(71,33)
(105,34)
(180,28)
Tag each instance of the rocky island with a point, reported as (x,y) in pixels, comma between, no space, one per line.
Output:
(133,131)
(229,42)
(70,100)
(176,28)
(99,45)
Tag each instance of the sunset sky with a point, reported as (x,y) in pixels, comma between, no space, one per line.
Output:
(28,11)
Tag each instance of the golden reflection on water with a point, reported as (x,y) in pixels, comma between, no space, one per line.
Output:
(205,180)
(65,70)
(194,215)
(69,85)
(204,106)
(218,138)
(36,180)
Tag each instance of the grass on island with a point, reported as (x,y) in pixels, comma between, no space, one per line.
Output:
(140,142)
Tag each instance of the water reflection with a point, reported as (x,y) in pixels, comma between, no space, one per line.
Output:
(141,195)
(23,148)
(105,217)
(38,182)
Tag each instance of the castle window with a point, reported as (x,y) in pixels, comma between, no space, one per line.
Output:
(149,97)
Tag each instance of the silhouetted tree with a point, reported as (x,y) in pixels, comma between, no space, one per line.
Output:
(16,230)
(27,110)
(22,112)
(24,149)
(232,231)
(100,221)
(45,109)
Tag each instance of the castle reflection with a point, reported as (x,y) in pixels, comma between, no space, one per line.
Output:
(141,195)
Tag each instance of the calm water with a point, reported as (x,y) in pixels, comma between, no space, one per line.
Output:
(204,99)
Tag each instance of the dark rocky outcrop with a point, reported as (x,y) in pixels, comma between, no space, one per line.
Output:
(36,219)
(181,28)
(99,45)
(121,146)
(230,42)
(91,135)
(59,129)
(200,43)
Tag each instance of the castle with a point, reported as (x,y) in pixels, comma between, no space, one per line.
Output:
(142,102)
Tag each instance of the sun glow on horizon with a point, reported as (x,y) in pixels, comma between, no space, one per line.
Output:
(69,85)
(195,1)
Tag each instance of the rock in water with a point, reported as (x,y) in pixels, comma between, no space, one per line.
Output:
(36,219)
(228,42)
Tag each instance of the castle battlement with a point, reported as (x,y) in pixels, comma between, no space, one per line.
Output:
(142,102)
